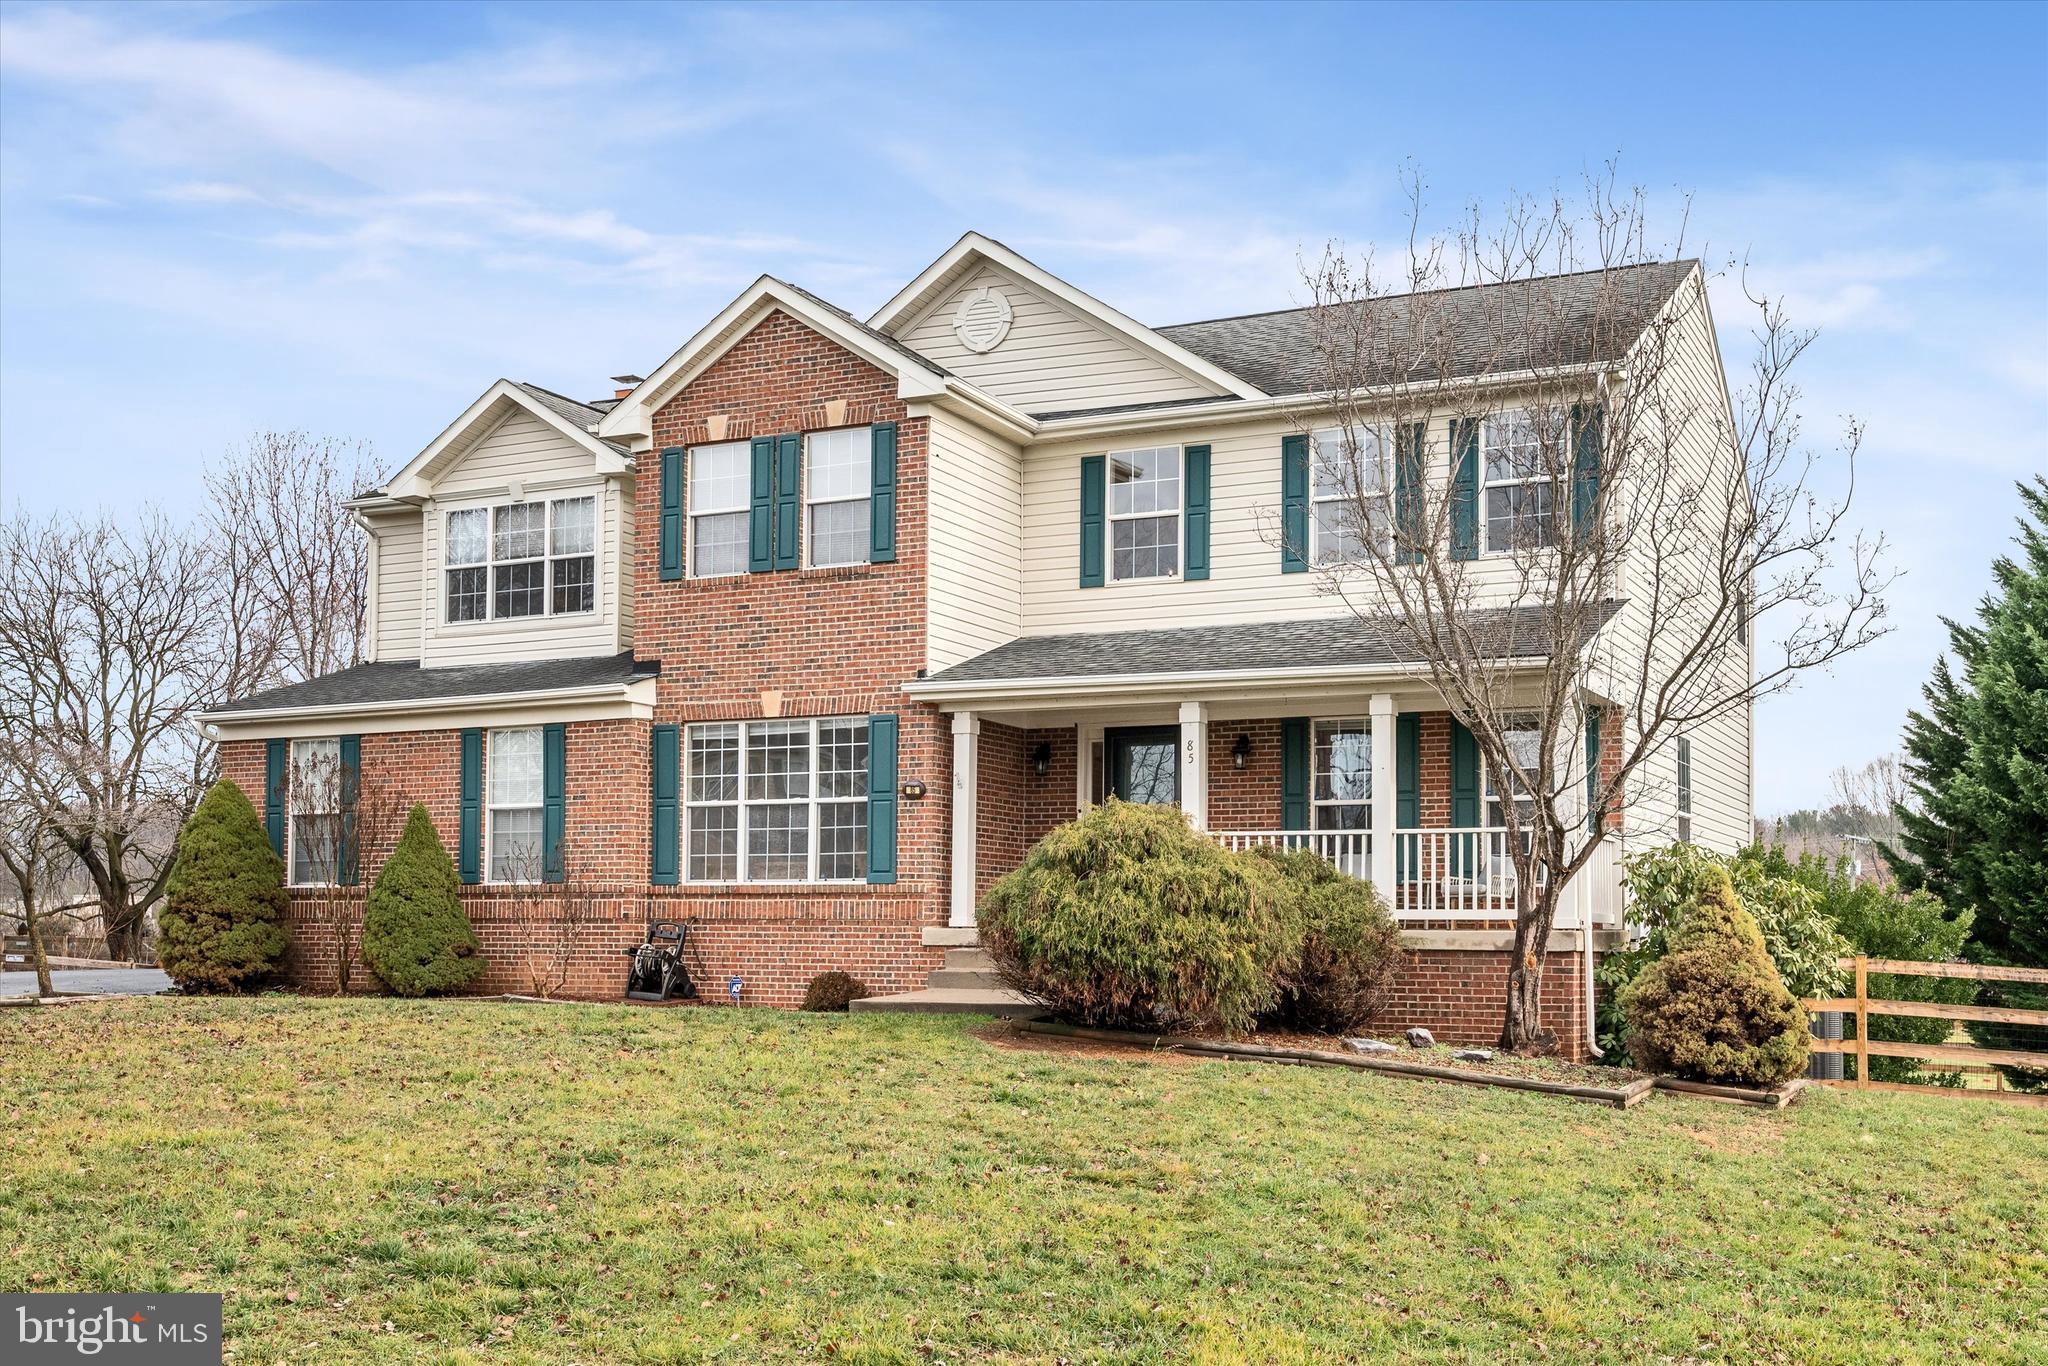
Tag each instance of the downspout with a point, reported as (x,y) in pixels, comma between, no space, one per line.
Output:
(1587,1014)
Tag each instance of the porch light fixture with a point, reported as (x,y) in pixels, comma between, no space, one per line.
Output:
(1241,751)
(1041,757)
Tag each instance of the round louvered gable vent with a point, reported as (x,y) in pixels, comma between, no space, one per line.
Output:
(983,319)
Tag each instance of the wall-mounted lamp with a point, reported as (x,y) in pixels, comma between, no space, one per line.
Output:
(1241,751)
(1041,757)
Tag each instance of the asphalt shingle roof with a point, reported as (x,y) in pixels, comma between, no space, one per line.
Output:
(1319,642)
(1448,334)
(406,681)
(581,415)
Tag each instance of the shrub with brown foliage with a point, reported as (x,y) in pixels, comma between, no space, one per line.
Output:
(833,991)
(1713,1008)
(1350,948)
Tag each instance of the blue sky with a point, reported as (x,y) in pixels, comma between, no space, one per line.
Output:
(219,218)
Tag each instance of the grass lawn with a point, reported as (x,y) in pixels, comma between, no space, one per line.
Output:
(380,1181)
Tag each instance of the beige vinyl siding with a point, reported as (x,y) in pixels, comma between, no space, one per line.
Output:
(520,448)
(396,590)
(976,588)
(621,565)
(1052,360)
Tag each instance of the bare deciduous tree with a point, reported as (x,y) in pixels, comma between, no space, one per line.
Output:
(34,859)
(1609,551)
(344,822)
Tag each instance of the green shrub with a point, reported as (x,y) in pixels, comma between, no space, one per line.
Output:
(1129,918)
(416,938)
(1350,947)
(833,991)
(1713,1008)
(222,925)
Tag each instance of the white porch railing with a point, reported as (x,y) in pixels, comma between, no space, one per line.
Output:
(1349,851)
(1451,874)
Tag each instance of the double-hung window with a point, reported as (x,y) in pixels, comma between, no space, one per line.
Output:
(512,809)
(1520,498)
(1348,486)
(1144,513)
(838,484)
(521,560)
(777,800)
(1524,735)
(719,487)
(1343,777)
(315,799)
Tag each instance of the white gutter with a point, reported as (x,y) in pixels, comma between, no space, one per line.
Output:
(406,706)
(1057,688)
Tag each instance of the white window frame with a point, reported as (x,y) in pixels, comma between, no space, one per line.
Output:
(692,512)
(1384,436)
(809,502)
(1316,804)
(1558,487)
(491,808)
(547,559)
(812,801)
(292,813)
(1682,797)
(1111,516)
(1488,794)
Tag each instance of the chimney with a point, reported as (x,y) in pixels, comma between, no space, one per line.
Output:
(626,384)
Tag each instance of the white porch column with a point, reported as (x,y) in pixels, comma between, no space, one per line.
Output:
(1194,762)
(1381,712)
(966,790)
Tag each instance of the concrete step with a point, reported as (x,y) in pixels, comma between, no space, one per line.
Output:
(963,979)
(969,960)
(953,1001)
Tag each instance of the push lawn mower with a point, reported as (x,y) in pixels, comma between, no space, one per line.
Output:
(655,971)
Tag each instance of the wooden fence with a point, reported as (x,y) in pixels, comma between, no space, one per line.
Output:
(1863,1048)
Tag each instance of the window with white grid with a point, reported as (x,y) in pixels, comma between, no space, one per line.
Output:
(1348,486)
(512,806)
(1343,775)
(720,484)
(1520,495)
(520,560)
(1524,735)
(315,800)
(776,801)
(838,484)
(1144,513)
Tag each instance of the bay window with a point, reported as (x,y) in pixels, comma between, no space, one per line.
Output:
(838,485)
(1520,496)
(1144,513)
(720,481)
(512,807)
(521,560)
(776,800)
(1348,491)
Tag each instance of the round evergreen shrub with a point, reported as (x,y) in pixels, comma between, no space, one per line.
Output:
(833,991)
(222,926)
(1713,1007)
(1129,918)
(416,938)
(1350,947)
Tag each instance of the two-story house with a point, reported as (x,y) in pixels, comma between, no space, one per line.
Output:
(808,635)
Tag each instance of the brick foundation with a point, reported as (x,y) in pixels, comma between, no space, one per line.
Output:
(1460,996)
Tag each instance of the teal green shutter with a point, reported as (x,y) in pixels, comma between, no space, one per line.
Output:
(276,764)
(789,458)
(1465,489)
(348,862)
(667,774)
(1094,474)
(1409,486)
(672,513)
(1195,563)
(1294,504)
(1593,812)
(1585,468)
(554,793)
(881,799)
(761,508)
(1294,770)
(469,863)
(882,497)
(1407,788)
(1465,849)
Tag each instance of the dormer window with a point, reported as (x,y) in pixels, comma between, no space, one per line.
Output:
(522,560)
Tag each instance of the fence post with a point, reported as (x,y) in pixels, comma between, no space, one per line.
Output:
(1862,1023)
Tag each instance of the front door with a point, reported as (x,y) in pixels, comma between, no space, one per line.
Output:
(1144,764)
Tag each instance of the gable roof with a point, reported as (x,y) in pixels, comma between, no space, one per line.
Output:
(1485,329)
(565,415)
(973,250)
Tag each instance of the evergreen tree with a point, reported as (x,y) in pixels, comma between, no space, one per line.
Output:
(222,927)
(416,938)
(1977,760)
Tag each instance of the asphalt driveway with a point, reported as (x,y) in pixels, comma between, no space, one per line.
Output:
(107,981)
